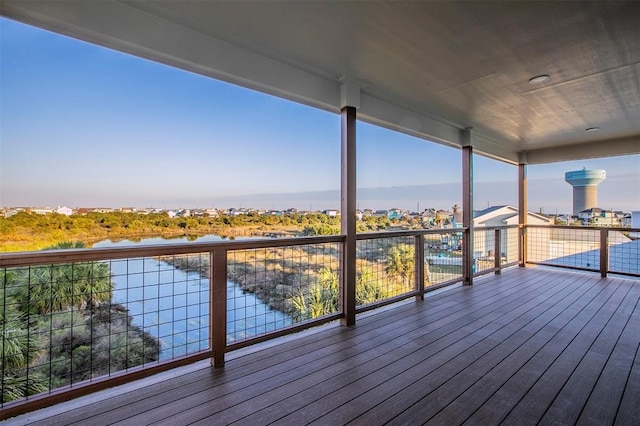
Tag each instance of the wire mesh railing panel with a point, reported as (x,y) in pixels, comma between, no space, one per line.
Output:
(484,247)
(169,298)
(385,267)
(510,249)
(484,243)
(624,253)
(443,257)
(566,247)
(69,323)
(269,289)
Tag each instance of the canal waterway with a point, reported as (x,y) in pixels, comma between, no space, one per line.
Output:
(173,305)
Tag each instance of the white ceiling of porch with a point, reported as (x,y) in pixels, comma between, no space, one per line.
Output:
(429,69)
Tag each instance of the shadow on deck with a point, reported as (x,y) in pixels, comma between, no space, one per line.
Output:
(528,346)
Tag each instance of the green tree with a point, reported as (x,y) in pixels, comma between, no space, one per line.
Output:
(321,229)
(44,289)
(320,299)
(400,263)
(18,348)
(369,288)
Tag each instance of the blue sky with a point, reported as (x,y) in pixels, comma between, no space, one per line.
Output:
(83,125)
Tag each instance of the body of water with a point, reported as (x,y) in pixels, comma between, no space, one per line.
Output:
(173,305)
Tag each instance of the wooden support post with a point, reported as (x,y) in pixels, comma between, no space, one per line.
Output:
(467,208)
(218,305)
(497,252)
(522,213)
(604,252)
(348,216)
(419,261)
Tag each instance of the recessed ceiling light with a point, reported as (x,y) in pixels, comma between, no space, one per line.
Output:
(539,79)
(592,129)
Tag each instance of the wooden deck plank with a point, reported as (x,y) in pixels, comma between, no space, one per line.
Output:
(628,412)
(420,411)
(512,348)
(548,386)
(473,385)
(569,403)
(494,406)
(604,401)
(374,389)
(477,393)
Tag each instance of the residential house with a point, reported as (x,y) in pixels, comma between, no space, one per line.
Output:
(395,214)
(10,212)
(505,215)
(41,210)
(64,210)
(599,217)
(381,213)
(484,242)
(104,210)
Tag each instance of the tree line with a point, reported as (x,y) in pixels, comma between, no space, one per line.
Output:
(29,231)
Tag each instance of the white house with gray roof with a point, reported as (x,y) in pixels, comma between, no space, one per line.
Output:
(484,242)
(506,215)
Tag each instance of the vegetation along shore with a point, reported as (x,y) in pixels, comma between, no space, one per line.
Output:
(29,231)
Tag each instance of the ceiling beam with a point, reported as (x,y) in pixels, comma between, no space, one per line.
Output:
(598,149)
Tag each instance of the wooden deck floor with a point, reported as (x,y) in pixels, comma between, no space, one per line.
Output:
(530,346)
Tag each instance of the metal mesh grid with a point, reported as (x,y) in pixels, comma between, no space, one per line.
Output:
(272,288)
(570,247)
(385,267)
(68,323)
(168,298)
(511,238)
(624,256)
(483,250)
(443,257)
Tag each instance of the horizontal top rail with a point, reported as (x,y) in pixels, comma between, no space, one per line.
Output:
(585,228)
(98,254)
(493,228)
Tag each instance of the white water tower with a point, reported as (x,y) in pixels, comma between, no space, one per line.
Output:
(585,188)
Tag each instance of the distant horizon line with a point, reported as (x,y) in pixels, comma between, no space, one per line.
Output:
(406,197)
(135,209)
